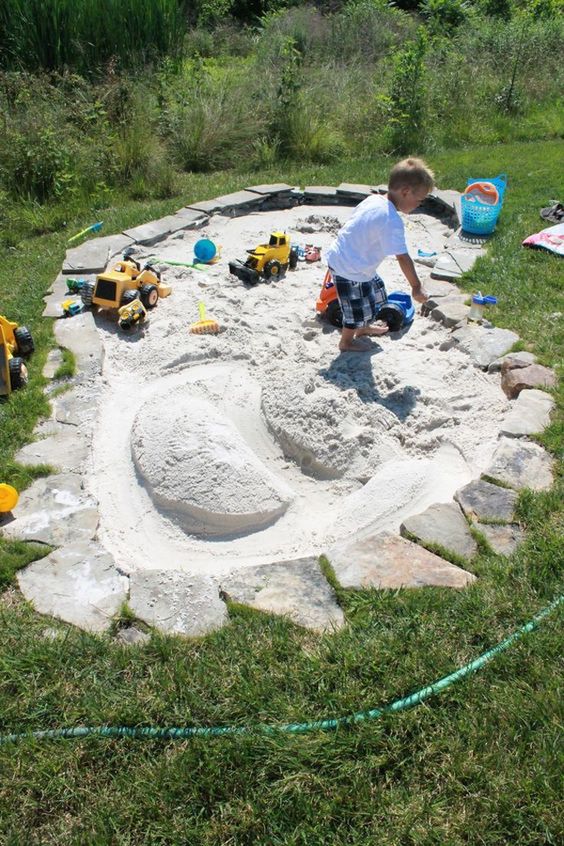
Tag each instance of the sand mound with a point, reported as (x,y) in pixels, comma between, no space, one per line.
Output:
(200,471)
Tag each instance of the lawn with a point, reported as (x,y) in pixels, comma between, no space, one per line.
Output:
(478,764)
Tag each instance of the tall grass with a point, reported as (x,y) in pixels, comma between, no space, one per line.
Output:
(84,35)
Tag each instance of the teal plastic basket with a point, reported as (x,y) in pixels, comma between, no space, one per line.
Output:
(481,218)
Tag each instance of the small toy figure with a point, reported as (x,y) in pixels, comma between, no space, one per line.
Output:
(131,314)
(71,307)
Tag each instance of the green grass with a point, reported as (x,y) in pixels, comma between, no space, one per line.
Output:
(478,765)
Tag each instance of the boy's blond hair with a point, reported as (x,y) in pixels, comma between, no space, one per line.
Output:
(411,173)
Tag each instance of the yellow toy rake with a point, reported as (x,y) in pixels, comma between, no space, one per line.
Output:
(204,326)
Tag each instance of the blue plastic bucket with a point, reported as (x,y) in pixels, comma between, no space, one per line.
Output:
(481,218)
(205,250)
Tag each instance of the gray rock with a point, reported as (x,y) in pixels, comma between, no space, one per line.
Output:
(480,500)
(275,188)
(78,584)
(238,203)
(387,561)
(132,636)
(92,256)
(504,540)
(444,524)
(55,297)
(352,191)
(453,264)
(55,510)
(450,312)
(54,361)
(512,361)
(521,464)
(483,344)
(321,195)
(65,450)
(75,408)
(461,240)
(150,233)
(530,413)
(449,199)
(80,336)
(177,602)
(297,589)
(521,378)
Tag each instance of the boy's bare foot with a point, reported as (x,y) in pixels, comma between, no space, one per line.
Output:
(354,346)
(379,328)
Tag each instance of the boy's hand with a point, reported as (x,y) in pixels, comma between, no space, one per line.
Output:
(419,294)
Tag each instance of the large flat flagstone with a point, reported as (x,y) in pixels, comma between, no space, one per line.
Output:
(453,264)
(521,464)
(177,602)
(79,335)
(297,589)
(461,240)
(54,510)
(443,524)
(354,191)
(530,413)
(451,311)
(388,561)
(322,195)
(504,540)
(78,583)
(273,188)
(481,500)
(93,255)
(483,344)
(66,450)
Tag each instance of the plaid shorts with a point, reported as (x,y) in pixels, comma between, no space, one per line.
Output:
(360,301)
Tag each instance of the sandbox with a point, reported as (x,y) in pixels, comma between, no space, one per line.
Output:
(222,466)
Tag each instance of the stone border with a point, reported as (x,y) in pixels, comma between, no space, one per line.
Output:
(80,582)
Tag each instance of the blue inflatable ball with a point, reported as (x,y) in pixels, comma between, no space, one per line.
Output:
(205,250)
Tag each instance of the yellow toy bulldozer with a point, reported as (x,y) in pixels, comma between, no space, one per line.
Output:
(16,344)
(270,261)
(125,282)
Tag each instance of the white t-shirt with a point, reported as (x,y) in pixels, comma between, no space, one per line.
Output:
(374,230)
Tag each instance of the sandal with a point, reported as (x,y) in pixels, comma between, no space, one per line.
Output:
(554,213)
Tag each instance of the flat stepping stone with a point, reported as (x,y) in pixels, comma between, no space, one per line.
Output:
(54,510)
(79,335)
(66,450)
(483,344)
(79,584)
(443,524)
(177,602)
(453,264)
(520,378)
(93,255)
(157,230)
(386,561)
(521,464)
(296,589)
(504,540)
(530,413)
(451,311)
(461,240)
(53,362)
(274,188)
(321,195)
(481,500)
(354,191)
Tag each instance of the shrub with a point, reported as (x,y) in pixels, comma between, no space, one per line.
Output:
(406,99)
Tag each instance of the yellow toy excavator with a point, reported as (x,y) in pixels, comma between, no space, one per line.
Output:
(267,261)
(16,344)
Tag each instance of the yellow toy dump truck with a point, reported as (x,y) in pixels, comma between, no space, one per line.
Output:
(125,282)
(267,261)
(16,344)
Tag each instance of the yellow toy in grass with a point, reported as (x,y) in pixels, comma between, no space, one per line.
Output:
(8,498)
(204,326)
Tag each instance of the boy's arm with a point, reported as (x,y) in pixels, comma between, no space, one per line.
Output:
(408,269)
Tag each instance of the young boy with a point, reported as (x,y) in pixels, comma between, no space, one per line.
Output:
(375,230)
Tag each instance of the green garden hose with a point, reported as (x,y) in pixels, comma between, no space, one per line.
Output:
(291,728)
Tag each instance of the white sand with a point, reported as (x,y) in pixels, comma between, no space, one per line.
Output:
(265,429)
